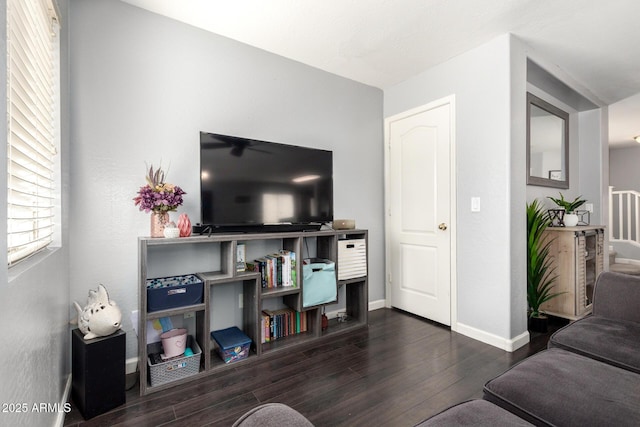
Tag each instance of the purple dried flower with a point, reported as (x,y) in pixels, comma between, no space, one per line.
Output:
(158,196)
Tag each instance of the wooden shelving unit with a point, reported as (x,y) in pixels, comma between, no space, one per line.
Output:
(213,259)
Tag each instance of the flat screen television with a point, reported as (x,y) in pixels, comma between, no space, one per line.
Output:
(247,185)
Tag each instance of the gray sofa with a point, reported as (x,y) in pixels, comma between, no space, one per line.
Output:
(590,373)
(612,333)
(558,388)
(588,376)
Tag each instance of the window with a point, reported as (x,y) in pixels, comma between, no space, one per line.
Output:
(33,125)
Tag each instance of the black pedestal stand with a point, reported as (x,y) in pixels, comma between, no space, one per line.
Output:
(98,373)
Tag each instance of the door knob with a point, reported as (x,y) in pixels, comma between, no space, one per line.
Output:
(442,226)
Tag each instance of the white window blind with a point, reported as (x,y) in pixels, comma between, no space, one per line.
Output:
(32,60)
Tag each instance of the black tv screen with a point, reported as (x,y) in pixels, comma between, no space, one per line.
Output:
(252,185)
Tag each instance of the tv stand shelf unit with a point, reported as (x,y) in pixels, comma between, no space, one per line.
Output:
(213,258)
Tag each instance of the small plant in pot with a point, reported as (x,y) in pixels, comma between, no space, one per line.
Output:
(540,277)
(570,218)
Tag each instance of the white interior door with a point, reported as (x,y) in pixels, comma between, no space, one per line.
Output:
(419,211)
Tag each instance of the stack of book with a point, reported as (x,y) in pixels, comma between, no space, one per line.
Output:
(276,270)
(282,323)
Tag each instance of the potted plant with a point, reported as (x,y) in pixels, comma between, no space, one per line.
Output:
(540,277)
(570,218)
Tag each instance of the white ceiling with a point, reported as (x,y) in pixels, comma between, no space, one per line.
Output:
(384,42)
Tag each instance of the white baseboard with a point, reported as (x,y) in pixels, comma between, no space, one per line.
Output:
(65,398)
(131,365)
(509,345)
(375,305)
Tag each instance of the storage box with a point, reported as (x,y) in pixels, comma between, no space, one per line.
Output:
(176,368)
(170,292)
(352,258)
(232,344)
(319,284)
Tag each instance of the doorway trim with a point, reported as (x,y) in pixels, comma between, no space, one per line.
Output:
(450,100)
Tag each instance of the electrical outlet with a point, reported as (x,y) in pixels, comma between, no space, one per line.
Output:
(589,207)
(240,301)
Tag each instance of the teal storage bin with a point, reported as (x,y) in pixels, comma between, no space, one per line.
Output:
(319,282)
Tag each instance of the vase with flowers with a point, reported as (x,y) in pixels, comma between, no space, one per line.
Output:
(159,198)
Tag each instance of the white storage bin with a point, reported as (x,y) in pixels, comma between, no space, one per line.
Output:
(352,259)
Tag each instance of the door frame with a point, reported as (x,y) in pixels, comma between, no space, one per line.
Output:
(450,100)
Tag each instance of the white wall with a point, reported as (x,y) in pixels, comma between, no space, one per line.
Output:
(143,86)
(487,286)
(34,297)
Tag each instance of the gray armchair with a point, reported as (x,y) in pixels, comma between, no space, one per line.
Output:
(272,415)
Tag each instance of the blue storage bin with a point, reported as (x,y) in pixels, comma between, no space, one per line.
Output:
(319,284)
(170,292)
(232,344)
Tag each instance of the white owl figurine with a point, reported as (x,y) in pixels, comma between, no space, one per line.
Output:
(100,317)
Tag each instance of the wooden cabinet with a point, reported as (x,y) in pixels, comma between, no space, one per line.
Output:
(237,298)
(577,255)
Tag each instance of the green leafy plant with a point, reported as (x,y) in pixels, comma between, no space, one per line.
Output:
(567,205)
(540,277)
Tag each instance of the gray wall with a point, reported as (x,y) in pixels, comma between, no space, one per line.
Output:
(594,180)
(34,295)
(586,157)
(624,173)
(142,88)
(480,81)
(490,85)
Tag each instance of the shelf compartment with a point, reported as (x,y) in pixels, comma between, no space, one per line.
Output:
(289,341)
(213,277)
(175,311)
(336,327)
(278,292)
(169,371)
(222,315)
(217,364)
(187,257)
(351,281)
(242,275)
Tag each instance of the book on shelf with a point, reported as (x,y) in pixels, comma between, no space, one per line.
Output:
(288,267)
(276,270)
(240,258)
(266,327)
(282,323)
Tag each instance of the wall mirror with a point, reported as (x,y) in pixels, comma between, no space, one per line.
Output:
(547,144)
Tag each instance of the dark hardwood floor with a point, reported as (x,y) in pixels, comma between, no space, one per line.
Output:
(397,372)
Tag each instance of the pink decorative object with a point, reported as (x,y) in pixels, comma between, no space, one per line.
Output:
(158,223)
(174,343)
(184,224)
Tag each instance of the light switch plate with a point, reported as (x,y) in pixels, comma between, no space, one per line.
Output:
(475,204)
